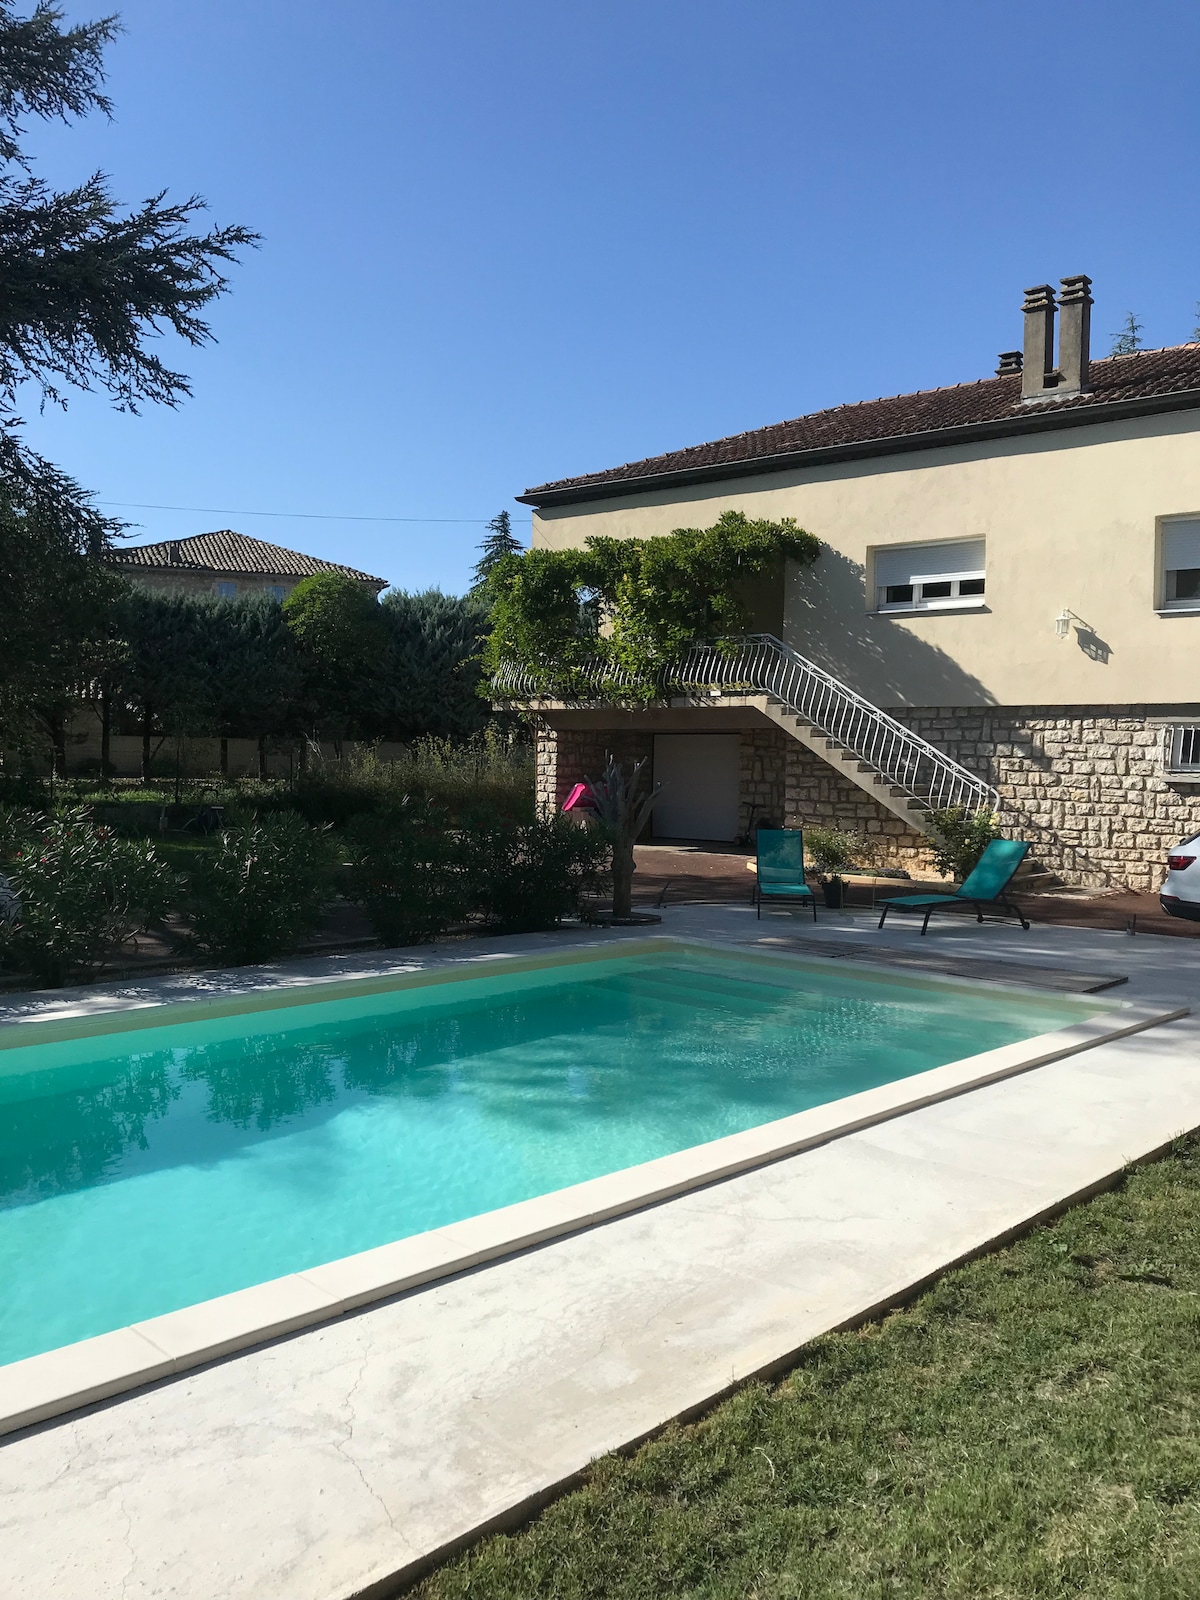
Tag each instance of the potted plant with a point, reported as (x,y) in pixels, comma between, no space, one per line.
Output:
(830,851)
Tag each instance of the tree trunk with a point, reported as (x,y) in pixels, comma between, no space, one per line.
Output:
(622,871)
(105,739)
(262,755)
(147,723)
(58,734)
(224,756)
(302,761)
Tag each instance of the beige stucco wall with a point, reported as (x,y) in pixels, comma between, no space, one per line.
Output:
(1070,518)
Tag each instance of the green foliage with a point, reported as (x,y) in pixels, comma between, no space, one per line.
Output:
(961,837)
(87,288)
(82,890)
(531,875)
(431,681)
(261,890)
(252,668)
(491,772)
(86,291)
(633,604)
(340,628)
(831,850)
(56,594)
(498,542)
(163,679)
(1129,339)
(407,871)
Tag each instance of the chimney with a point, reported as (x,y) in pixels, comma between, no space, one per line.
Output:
(1010,361)
(1074,334)
(1039,379)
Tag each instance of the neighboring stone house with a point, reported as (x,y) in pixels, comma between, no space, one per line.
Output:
(1006,606)
(225,564)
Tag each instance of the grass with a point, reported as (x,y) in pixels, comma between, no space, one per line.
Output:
(1027,1428)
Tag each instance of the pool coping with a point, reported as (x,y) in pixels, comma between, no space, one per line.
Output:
(72,1376)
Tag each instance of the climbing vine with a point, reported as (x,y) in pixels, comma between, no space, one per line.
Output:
(632,604)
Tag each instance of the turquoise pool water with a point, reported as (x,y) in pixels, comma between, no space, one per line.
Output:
(145,1170)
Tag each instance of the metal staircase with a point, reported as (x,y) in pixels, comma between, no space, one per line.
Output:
(904,772)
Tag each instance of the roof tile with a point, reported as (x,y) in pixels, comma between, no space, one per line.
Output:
(1145,374)
(234,554)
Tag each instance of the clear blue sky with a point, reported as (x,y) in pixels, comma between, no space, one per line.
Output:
(509,243)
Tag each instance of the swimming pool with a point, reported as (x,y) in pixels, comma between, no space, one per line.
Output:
(148,1163)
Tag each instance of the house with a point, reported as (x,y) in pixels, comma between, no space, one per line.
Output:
(225,564)
(1005,612)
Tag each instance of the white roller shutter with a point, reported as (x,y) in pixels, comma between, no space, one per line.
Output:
(1181,546)
(924,563)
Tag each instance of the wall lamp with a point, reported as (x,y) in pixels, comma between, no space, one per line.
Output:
(1062,622)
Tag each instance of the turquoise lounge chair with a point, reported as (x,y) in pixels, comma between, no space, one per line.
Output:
(984,888)
(780,874)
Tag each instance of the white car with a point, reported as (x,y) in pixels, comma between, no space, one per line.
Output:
(1180,894)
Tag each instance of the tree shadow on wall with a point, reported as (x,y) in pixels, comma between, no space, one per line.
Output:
(875,654)
(895,668)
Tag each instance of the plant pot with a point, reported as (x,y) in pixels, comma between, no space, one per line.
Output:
(832,890)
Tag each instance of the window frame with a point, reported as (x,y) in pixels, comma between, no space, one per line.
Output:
(954,601)
(226,589)
(1180,738)
(1165,604)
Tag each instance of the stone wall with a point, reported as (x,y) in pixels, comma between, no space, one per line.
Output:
(821,795)
(565,756)
(762,790)
(1084,785)
(781,780)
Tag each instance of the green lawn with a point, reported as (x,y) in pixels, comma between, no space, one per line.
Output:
(1027,1428)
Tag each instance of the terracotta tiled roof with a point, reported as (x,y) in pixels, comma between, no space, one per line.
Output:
(1148,381)
(233,555)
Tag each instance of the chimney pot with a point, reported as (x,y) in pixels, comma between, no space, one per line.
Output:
(1074,333)
(1038,375)
(1010,361)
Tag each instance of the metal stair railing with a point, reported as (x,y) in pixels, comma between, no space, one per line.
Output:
(761,663)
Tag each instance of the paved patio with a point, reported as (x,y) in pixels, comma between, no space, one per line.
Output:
(343,1457)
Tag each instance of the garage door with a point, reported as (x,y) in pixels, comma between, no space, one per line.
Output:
(699,774)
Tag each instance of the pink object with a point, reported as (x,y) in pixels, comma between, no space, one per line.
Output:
(579,799)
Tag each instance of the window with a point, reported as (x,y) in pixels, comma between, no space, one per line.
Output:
(227,591)
(929,577)
(275,591)
(1181,564)
(1183,751)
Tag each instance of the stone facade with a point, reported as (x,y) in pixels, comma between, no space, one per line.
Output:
(820,795)
(1085,784)
(782,781)
(565,756)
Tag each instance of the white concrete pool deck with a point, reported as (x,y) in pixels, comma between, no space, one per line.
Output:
(336,1460)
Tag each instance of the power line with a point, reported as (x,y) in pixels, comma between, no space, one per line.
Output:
(308,516)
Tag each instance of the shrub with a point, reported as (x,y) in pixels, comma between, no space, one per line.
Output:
(261,890)
(491,771)
(406,871)
(530,875)
(80,891)
(830,850)
(960,838)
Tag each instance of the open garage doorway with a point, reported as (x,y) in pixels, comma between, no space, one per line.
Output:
(700,774)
